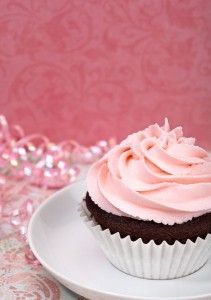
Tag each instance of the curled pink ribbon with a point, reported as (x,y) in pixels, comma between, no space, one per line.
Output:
(34,159)
(41,162)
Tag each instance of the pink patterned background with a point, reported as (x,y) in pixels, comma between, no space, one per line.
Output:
(92,69)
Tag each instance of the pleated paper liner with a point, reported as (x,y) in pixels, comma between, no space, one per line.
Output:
(149,260)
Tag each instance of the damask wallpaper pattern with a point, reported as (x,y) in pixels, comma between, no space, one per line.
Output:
(92,69)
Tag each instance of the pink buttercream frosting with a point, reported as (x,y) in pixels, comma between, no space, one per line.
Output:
(155,174)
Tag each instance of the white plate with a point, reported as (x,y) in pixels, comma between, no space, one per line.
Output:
(66,248)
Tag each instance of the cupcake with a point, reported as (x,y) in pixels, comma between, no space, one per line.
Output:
(148,203)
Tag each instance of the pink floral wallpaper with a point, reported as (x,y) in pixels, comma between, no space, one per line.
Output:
(92,69)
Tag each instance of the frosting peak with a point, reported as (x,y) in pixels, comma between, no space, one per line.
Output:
(154,174)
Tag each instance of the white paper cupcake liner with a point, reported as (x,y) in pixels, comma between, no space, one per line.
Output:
(149,260)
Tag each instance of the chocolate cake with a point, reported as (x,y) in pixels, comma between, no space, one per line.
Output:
(150,230)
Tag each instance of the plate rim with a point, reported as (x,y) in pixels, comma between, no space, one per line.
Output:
(57,274)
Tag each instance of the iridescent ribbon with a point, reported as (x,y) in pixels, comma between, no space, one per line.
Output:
(34,159)
(41,162)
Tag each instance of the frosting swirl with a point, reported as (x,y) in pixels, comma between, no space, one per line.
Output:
(155,174)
